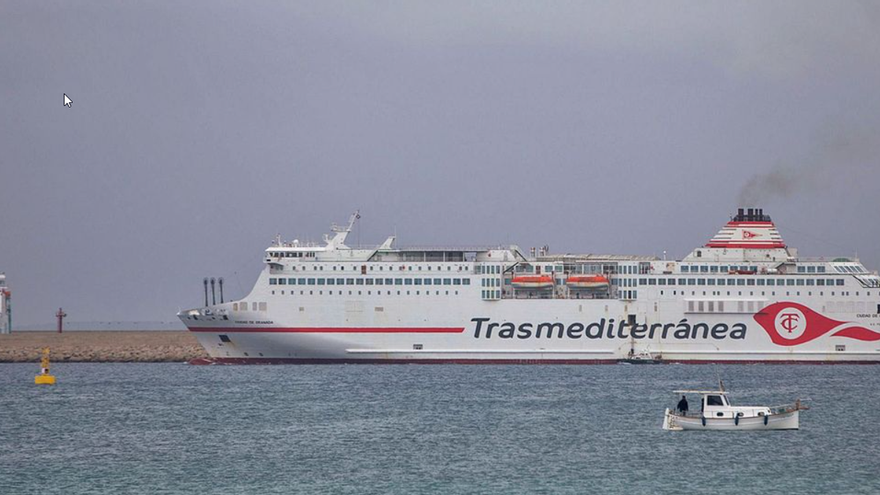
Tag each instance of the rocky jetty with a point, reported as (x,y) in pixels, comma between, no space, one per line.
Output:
(101,347)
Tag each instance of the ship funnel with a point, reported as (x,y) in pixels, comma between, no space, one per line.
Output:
(749,229)
(751,215)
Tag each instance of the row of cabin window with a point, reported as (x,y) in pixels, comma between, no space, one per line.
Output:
(641,269)
(716,269)
(364,268)
(369,293)
(244,306)
(491,294)
(292,255)
(752,306)
(725,269)
(743,281)
(764,293)
(718,306)
(369,281)
(539,269)
(487,269)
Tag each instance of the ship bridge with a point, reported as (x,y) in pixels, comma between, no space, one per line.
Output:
(335,249)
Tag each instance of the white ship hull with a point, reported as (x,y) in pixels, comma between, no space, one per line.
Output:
(730,301)
(327,332)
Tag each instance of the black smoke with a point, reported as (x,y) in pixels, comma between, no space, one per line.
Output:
(836,158)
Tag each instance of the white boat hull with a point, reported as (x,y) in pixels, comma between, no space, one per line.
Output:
(782,421)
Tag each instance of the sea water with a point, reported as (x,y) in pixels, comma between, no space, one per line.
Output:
(174,428)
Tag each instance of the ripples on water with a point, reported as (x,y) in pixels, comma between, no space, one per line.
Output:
(169,428)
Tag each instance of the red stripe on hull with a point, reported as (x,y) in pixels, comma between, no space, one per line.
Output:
(329,330)
(249,360)
(766,361)
(228,360)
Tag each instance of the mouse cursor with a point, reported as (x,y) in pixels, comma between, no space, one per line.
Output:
(67,101)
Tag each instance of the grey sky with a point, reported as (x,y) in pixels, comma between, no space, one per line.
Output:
(200,129)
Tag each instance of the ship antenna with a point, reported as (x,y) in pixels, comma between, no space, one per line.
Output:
(340,233)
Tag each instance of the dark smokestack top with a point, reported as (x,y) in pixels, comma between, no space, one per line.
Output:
(751,215)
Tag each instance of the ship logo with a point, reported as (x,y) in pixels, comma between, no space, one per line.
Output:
(747,234)
(789,323)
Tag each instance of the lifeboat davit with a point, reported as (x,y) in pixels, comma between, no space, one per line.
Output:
(587,281)
(532,282)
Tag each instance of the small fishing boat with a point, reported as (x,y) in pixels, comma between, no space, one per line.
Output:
(718,414)
(644,357)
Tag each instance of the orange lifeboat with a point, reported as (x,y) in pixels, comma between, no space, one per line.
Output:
(532,282)
(587,281)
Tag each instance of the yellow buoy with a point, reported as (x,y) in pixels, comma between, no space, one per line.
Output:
(44,378)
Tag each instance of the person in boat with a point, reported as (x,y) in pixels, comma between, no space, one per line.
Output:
(683,405)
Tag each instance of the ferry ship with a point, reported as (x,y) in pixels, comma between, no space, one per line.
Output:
(743,297)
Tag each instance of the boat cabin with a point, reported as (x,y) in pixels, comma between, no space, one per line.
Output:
(715,404)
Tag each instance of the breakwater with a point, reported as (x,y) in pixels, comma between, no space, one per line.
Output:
(101,347)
